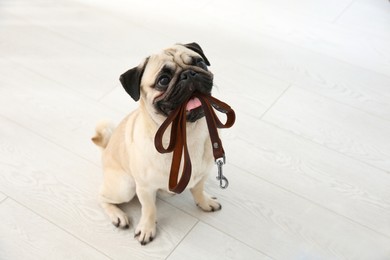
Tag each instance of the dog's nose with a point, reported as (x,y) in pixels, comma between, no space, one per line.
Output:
(187,74)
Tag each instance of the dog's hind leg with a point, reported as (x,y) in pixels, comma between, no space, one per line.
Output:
(117,188)
(117,216)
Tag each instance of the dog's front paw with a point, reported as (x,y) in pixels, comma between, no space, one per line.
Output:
(145,233)
(209,204)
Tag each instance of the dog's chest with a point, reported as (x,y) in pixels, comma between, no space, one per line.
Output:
(157,166)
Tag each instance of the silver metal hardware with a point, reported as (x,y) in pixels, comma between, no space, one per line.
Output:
(223,181)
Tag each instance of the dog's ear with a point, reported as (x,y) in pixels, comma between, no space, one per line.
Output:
(131,80)
(196,48)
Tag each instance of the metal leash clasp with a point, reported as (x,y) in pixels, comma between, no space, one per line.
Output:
(223,181)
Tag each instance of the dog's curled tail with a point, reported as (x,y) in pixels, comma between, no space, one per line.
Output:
(104,130)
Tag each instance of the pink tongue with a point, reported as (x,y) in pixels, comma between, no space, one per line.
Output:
(193,103)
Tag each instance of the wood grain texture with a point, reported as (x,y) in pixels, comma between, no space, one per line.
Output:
(368,16)
(264,89)
(52,110)
(357,87)
(205,242)
(282,224)
(333,125)
(350,45)
(2,197)
(347,186)
(58,58)
(26,235)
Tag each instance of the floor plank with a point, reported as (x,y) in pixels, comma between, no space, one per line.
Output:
(52,110)
(2,197)
(254,102)
(368,16)
(283,225)
(350,45)
(362,89)
(346,186)
(205,242)
(84,25)
(58,58)
(29,236)
(333,125)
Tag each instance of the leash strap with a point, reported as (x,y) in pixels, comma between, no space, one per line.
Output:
(178,139)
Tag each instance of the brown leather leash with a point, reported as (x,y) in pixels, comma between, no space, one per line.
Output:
(178,139)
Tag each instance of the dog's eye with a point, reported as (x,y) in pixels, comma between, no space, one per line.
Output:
(202,64)
(164,81)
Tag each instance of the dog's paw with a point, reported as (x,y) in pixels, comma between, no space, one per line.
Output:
(209,204)
(119,218)
(145,233)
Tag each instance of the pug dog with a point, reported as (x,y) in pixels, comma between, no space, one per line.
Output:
(131,164)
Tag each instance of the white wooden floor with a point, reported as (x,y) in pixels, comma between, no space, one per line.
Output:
(308,159)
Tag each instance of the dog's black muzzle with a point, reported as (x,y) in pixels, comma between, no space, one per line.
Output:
(188,82)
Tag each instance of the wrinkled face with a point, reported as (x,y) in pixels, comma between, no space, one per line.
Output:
(168,79)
